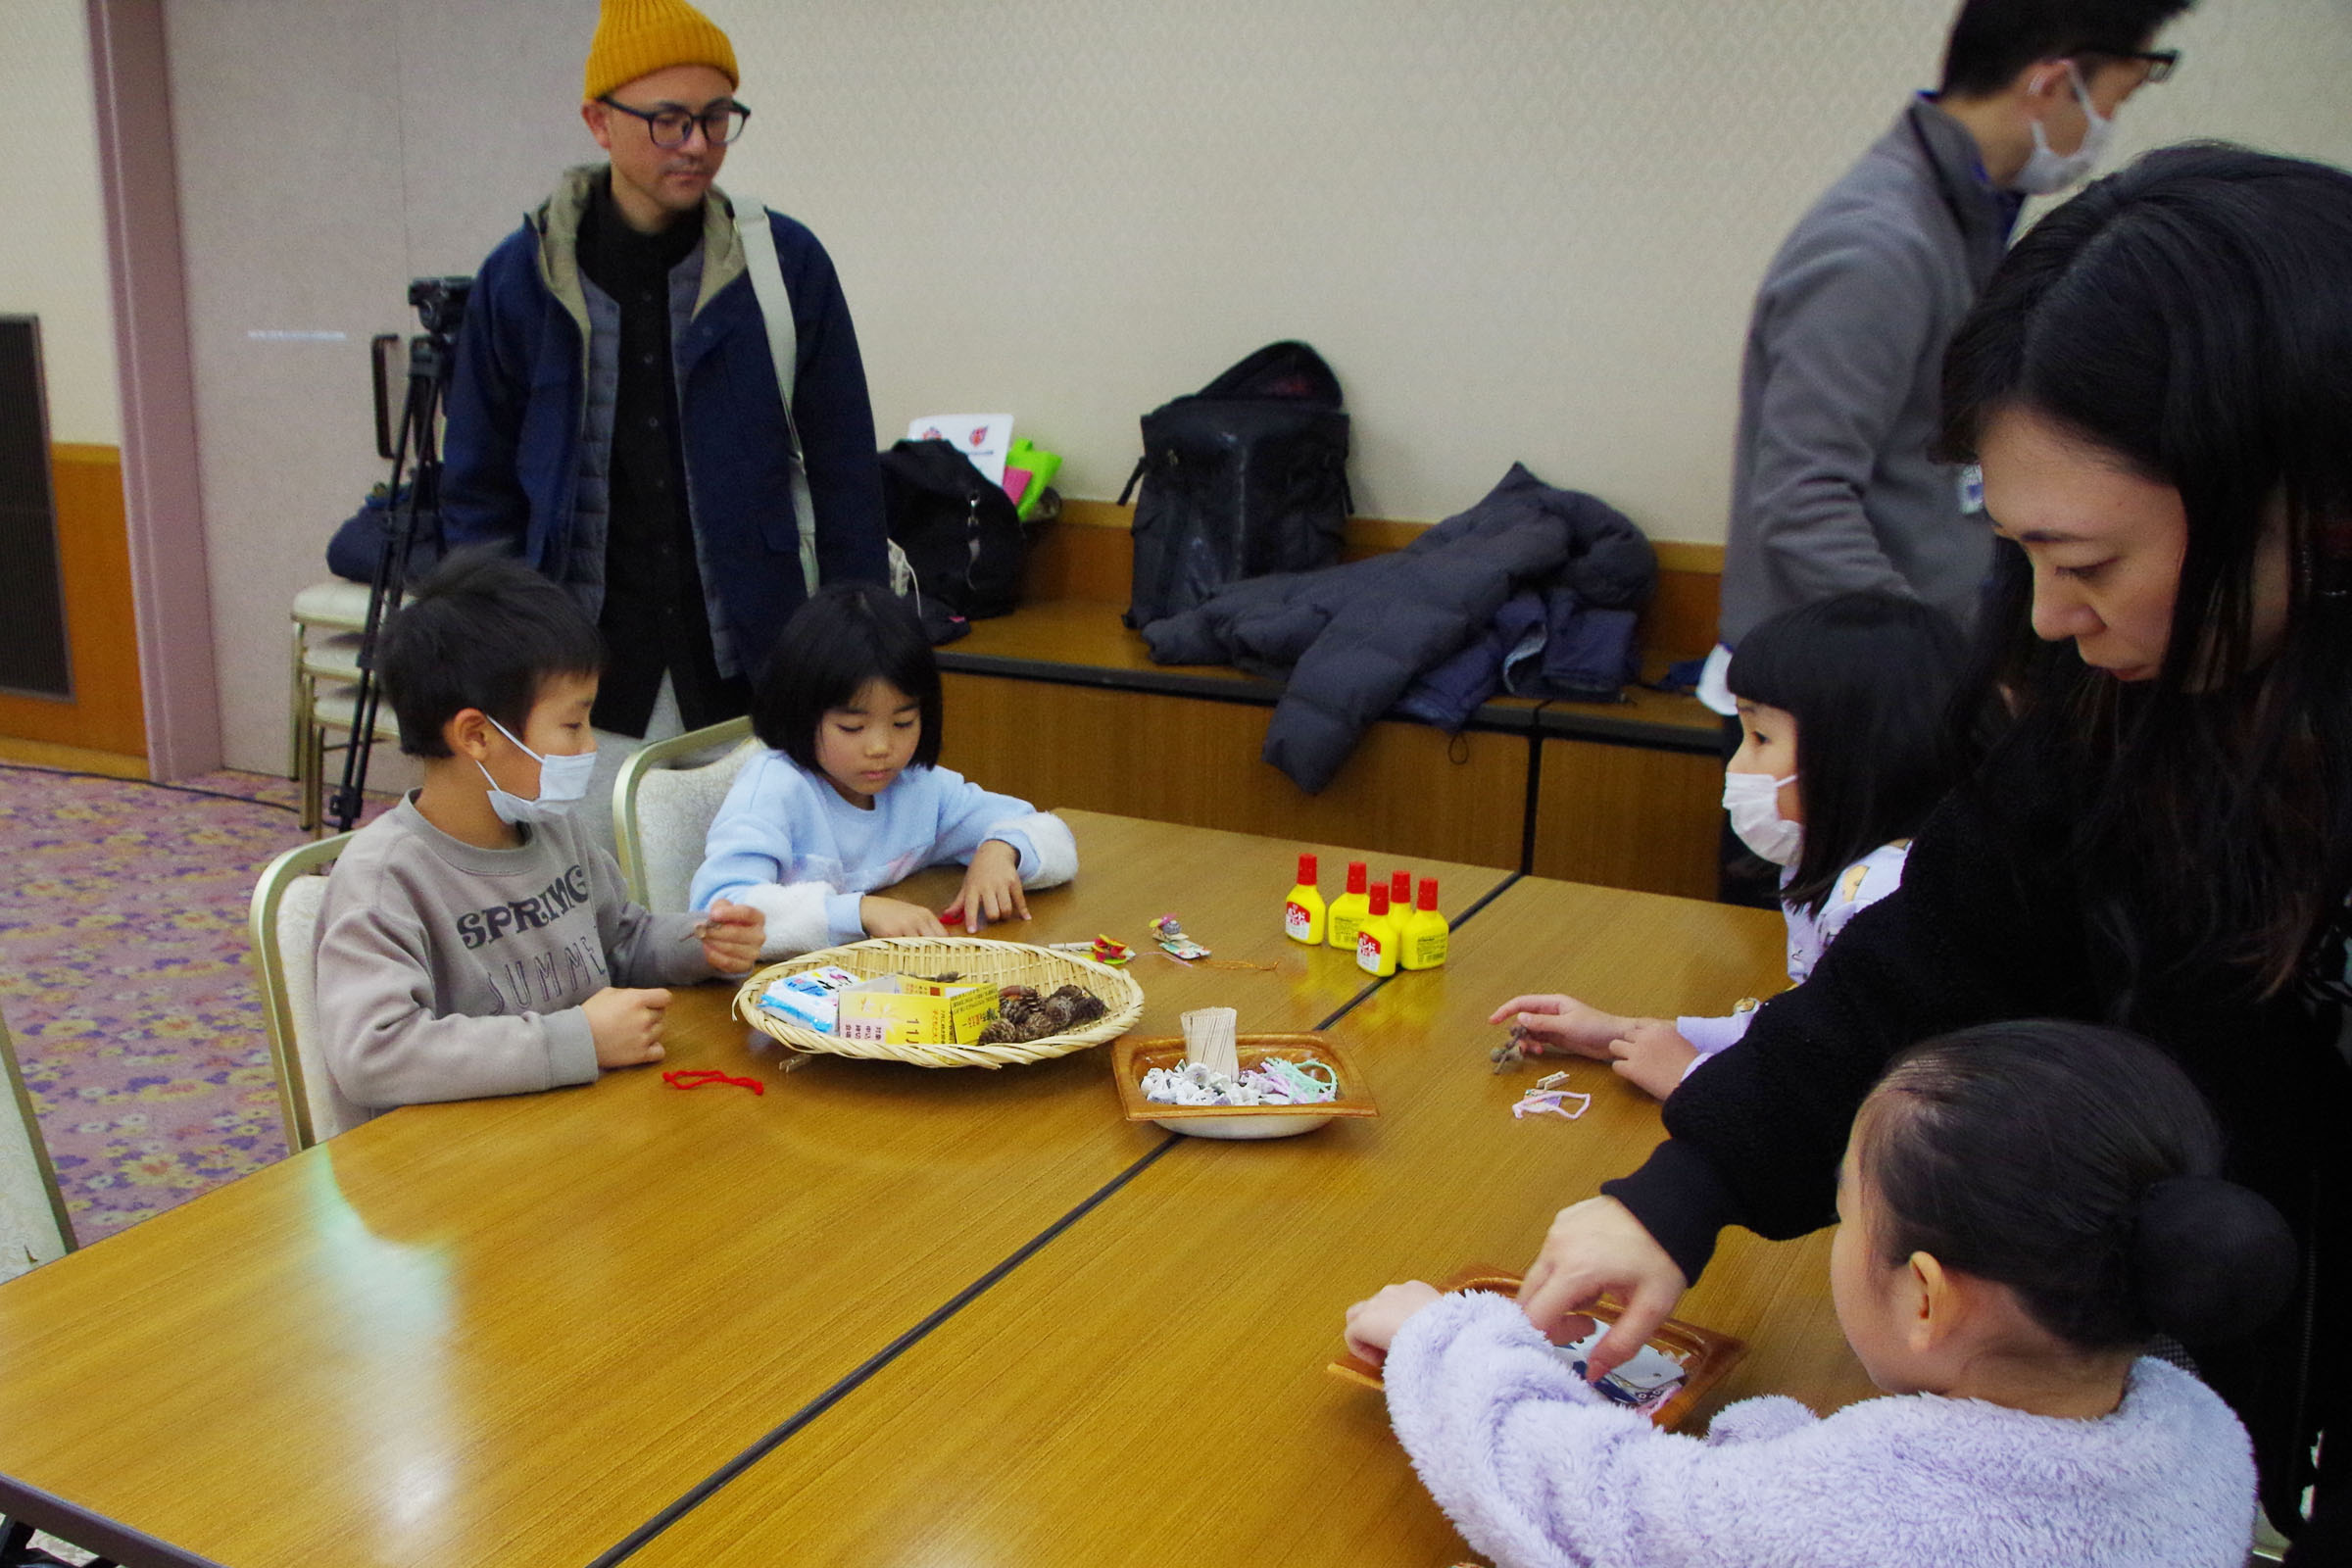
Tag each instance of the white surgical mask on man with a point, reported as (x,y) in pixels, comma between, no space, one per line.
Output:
(563,782)
(1754,801)
(2046,171)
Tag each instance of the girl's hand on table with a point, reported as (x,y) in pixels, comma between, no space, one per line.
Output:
(1595,1248)
(992,888)
(896,917)
(1372,1324)
(1653,1056)
(1557,1025)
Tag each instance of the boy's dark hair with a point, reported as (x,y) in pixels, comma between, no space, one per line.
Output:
(2079,1166)
(484,631)
(1869,680)
(848,634)
(1993,40)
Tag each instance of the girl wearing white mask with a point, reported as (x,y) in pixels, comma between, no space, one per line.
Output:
(1843,752)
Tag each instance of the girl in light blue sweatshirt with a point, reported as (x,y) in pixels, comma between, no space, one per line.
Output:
(849,796)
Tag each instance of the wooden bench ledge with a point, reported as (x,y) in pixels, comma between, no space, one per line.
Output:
(1082,642)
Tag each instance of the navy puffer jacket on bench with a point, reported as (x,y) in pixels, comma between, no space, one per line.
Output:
(1349,639)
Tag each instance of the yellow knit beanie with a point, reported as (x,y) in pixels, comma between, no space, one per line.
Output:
(638,37)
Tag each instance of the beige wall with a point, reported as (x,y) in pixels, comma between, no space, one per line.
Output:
(1518,230)
(52,224)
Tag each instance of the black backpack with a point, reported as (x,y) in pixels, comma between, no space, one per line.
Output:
(960,533)
(1243,477)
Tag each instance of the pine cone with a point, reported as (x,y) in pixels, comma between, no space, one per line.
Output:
(1020,1009)
(1085,1007)
(998,1033)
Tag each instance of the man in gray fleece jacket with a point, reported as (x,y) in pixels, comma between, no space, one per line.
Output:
(1833,489)
(475,939)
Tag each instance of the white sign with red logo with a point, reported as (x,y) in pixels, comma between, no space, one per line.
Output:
(981,437)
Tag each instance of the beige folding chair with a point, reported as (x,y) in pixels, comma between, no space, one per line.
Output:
(662,804)
(286,959)
(328,618)
(33,1225)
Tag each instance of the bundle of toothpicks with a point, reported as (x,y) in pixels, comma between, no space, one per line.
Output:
(1208,1039)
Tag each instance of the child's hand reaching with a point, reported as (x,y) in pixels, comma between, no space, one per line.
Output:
(626,1025)
(896,917)
(1652,1055)
(992,888)
(1372,1325)
(732,937)
(1556,1025)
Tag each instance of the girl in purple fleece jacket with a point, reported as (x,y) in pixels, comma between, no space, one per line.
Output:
(2023,1208)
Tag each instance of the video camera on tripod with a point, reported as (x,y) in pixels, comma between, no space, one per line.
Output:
(414,449)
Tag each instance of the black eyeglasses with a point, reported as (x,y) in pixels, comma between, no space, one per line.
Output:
(2161,63)
(671,126)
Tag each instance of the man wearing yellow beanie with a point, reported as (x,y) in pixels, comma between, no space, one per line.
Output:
(616,414)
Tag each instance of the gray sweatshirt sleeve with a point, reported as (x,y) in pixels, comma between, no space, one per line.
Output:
(1846,322)
(644,948)
(387,1046)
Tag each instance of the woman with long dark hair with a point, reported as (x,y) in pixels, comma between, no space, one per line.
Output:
(2158,386)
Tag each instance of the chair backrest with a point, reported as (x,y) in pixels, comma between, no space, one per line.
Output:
(34,1226)
(286,959)
(662,804)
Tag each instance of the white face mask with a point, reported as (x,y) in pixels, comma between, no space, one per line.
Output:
(2045,171)
(562,781)
(1754,801)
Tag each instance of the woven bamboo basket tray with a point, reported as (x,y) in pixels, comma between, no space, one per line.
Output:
(977,961)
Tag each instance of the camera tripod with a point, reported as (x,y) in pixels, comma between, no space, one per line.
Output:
(415,451)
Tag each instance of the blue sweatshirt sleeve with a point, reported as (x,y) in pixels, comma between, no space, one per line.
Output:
(968,816)
(756,854)
(752,837)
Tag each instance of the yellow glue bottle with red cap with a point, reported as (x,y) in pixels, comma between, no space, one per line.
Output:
(1377,940)
(1400,897)
(1425,933)
(1349,910)
(1302,907)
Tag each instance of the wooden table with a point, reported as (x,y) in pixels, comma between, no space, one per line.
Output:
(514,1331)
(1149,1387)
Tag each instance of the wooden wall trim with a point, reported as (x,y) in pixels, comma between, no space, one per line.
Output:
(106,712)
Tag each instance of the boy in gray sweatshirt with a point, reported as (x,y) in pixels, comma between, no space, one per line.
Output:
(475,939)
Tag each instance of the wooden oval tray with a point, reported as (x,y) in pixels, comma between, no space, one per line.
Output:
(1706,1355)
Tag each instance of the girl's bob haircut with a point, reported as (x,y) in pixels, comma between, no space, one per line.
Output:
(1869,680)
(849,635)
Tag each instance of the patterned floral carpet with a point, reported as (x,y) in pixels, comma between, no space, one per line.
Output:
(124,981)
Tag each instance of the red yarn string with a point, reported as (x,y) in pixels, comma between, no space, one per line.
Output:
(697,1077)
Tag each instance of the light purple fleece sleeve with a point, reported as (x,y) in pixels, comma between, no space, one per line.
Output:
(1528,1461)
(1538,1471)
(1711,1035)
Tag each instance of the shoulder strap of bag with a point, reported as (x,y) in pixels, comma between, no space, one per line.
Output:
(784,347)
